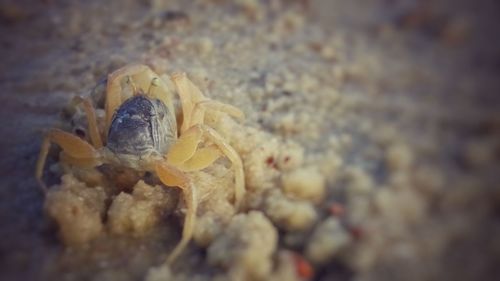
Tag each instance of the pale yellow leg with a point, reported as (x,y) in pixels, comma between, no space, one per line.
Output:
(195,104)
(226,108)
(95,136)
(189,95)
(200,109)
(185,147)
(171,176)
(233,156)
(182,154)
(201,159)
(185,155)
(80,162)
(198,114)
(113,95)
(72,146)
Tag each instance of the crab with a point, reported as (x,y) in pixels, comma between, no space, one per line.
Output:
(141,132)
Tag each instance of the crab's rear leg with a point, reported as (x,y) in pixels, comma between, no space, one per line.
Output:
(214,107)
(172,176)
(194,103)
(75,149)
(95,135)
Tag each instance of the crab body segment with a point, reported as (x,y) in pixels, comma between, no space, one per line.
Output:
(141,129)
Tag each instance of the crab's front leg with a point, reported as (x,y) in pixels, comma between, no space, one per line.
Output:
(185,155)
(194,105)
(75,151)
(172,176)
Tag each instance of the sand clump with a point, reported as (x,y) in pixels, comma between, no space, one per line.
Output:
(287,213)
(77,209)
(140,211)
(327,240)
(245,247)
(305,183)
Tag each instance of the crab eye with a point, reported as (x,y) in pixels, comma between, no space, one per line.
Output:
(80,133)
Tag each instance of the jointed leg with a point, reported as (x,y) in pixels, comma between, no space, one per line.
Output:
(74,147)
(200,109)
(184,155)
(194,103)
(233,156)
(171,176)
(202,158)
(185,147)
(113,95)
(80,162)
(95,136)
(189,95)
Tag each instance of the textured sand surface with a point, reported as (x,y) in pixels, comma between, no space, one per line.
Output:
(371,139)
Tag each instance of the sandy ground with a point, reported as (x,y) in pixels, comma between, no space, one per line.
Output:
(393,103)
